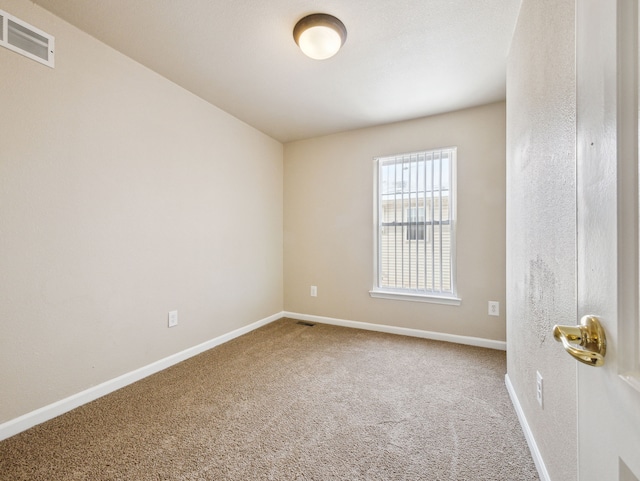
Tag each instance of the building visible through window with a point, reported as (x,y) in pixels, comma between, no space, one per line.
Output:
(416,225)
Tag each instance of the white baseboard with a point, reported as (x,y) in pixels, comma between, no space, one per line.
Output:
(437,336)
(528,434)
(26,421)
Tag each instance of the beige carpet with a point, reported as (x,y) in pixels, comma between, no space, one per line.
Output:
(292,402)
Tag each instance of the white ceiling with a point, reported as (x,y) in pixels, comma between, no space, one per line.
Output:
(403,59)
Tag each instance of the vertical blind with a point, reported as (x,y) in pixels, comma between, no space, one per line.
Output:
(415,222)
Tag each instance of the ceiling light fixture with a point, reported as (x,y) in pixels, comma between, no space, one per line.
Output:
(320,36)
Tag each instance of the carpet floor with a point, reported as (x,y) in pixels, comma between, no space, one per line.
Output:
(293,402)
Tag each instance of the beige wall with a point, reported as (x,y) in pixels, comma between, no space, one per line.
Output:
(122,196)
(541,223)
(328,222)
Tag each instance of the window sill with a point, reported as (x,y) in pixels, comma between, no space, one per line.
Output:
(408,296)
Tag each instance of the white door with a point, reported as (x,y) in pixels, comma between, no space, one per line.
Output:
(607,183)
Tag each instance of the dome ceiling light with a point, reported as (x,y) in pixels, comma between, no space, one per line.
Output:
(320,35)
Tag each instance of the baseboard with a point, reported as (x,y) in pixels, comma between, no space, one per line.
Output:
(528,434)
(437,336)
(22,423)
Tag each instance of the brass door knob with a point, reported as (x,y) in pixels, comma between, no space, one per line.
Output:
(586,341)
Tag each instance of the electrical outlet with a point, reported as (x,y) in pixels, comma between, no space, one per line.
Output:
(494,308)
(539,389)
(314,291)
(173,318)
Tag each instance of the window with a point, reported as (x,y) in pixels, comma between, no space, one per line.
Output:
(415,227)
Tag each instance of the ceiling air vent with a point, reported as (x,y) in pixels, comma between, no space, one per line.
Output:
(25,39)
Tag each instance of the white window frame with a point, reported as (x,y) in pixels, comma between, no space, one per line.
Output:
(436,297)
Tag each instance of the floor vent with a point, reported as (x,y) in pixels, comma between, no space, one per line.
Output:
(303,323)
(26,40)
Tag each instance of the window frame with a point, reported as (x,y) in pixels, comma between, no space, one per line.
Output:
(430,296)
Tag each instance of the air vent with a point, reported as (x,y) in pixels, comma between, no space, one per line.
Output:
(303,323)
(26,40)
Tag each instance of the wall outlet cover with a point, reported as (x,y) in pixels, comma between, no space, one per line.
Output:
(494,308)
(539,393)
(173,318)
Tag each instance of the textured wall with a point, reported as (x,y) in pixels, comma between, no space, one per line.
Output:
(541,223)
(328,199)
(122,196)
